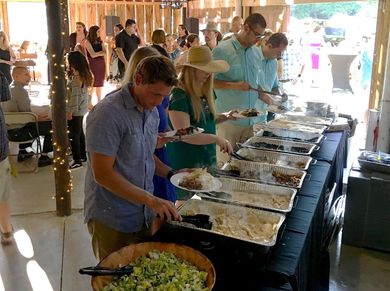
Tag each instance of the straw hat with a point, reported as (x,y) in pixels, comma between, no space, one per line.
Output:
(211,26)
(199,57)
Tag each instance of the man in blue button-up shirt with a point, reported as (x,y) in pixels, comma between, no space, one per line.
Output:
(121,138)
(232,88)
(270,51)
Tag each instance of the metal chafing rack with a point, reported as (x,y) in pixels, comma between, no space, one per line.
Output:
(242,223)
(276,158)
(264,196)
(289,134)
(264,173)
(264,143)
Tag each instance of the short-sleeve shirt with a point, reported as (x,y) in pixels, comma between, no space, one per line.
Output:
(128,44)
(185,155)
(117,128)
(244,66)
(268,73)
(20,101)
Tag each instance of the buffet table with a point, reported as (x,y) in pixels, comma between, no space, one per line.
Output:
(294,263)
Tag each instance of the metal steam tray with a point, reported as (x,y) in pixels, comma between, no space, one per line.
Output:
(246,224)
(265,173)
(275,158)
(304,119)
(289,134)
(256,195)
(271,144)
(285,124)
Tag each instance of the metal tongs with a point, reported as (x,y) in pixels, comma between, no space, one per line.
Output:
(280,107)
(199,220)
(104,271)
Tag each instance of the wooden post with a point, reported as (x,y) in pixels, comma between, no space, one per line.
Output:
(56,49)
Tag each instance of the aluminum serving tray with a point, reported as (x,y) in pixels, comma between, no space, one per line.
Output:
(259,172)
(304,119)
(256,195)
(279,145)
(289,134)
(278,123)
(373,166)
(244,217)
(275,158)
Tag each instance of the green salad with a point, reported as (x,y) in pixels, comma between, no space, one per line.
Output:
(160,271)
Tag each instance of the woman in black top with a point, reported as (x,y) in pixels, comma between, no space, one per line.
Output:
(183,33)
(7,56)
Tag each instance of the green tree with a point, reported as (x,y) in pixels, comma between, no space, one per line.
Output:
(325,10)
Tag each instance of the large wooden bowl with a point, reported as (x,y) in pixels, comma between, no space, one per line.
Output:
(128,254)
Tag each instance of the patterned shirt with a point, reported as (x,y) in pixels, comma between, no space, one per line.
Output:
(117,128)
(244,66)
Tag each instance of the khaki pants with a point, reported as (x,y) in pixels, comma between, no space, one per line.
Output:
(4,180)
(106,240)
(234,134)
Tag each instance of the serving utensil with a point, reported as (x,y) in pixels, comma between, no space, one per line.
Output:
(199,220)
(104,271)
(215,194)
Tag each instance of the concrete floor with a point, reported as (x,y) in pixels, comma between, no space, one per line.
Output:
(49,250)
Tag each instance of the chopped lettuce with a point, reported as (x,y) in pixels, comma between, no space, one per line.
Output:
(160,271)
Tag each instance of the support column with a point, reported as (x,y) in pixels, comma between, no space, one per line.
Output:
(55,10)
(384,123)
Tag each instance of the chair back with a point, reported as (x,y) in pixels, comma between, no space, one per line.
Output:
(18,118)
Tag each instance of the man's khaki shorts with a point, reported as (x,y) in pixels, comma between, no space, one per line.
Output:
(4,180)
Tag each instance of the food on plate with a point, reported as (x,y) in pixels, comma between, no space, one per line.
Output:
(160,271)
(285,179)
(186,131)
(199,179)
(249,112)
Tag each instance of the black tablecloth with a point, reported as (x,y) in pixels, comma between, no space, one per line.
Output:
(334,151)
(294,262)
(297,255)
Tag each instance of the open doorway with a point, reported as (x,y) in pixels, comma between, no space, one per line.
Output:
(28,34)
(335,43)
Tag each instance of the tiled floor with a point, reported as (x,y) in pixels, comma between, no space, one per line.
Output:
(49,250)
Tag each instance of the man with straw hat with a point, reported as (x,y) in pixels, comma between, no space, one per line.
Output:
(192,104)
(211,35)
(233,88)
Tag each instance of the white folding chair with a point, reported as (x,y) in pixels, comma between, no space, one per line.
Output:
(20,119)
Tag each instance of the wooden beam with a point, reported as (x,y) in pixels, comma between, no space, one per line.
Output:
(55,10)
(380,54)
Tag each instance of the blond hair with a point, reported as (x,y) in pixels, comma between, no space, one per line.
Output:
(189,84)
(5,39)
(136,57)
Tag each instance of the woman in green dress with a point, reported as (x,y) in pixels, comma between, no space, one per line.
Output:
(192,104)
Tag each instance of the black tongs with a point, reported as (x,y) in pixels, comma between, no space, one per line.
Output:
(199,220)
(103,271)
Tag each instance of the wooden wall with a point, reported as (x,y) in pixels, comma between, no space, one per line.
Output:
(218,11)
(147,13)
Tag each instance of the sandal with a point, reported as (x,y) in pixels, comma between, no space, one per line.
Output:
(6,238)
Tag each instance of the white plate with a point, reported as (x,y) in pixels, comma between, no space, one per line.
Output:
(175,180)
(173,132)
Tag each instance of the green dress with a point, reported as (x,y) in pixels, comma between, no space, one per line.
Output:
(185,155)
